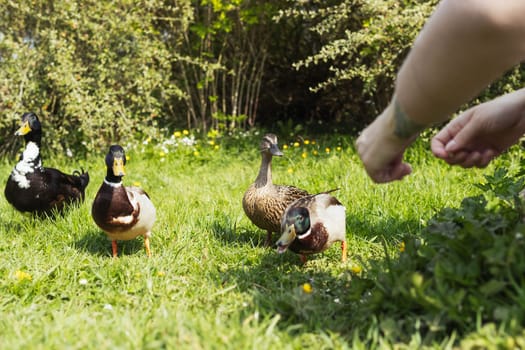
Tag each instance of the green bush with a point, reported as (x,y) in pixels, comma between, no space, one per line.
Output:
(93,71)
(363,46)
(103,72)
(464,271)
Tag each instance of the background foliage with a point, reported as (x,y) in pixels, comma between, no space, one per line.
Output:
(101,72)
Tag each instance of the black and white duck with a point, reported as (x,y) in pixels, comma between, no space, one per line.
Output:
(122,212)
(312,224)
(35,189)
(264,203)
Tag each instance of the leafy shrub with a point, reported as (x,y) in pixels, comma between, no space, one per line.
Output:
(93,71)
(465,269)
(101,72)
(363,46)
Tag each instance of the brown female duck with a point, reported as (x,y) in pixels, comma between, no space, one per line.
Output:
(123,213)
(264,203)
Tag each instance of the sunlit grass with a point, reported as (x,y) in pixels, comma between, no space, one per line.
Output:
(210,283)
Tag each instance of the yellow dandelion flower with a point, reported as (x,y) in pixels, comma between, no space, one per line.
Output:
(162,154)
(356,269)
(127,157)
(402,247)
(307,288)
(177,134)
(304,155)
(296,144)
(216,147)
(136,183)
(285,146)
(196,153)
(290,171)
(315,153)
(313,142)
(306,142)
(185,132)
(211,142)
(23,276)
(161,273)
(327,149)
(338,149)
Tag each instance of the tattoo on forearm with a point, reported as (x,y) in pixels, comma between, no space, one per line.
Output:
(404,127)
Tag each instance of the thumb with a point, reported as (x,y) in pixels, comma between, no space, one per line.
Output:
(462,131)
(460,141)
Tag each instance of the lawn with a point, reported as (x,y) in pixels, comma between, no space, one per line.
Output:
(210,283)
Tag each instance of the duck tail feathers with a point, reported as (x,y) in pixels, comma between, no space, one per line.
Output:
(83,176)
(329,191)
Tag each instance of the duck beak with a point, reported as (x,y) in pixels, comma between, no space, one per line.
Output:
(275,151)
(286,238)
(118,167)
(23,130)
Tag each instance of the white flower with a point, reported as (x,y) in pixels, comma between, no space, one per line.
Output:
(188,141)
(83,282)
(108,307)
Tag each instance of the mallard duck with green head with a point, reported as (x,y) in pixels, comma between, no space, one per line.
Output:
(312,224)
(264,203)
(122,212)
(36,189)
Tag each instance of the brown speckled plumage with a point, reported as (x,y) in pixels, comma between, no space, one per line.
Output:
(264,203)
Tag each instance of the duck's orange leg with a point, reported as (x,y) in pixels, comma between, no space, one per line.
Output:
(114,248)
(146,245)
(343,251)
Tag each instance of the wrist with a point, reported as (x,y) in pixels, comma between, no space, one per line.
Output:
(401,125)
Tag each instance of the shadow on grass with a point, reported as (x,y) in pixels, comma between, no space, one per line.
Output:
(228,233)
(391,229)
(278,283)
(95,242)
(279,287)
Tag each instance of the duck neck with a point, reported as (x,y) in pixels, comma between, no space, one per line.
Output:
(31,156)
(112,180)
(264,177)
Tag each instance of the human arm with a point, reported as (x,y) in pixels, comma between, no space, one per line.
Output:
(463,47)
(482,132)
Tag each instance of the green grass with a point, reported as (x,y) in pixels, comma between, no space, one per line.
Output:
(210,283)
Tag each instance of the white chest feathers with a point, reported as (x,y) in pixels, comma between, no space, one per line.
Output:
(29,162)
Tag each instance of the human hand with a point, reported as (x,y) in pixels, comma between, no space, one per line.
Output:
(382,144)
(482,132)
